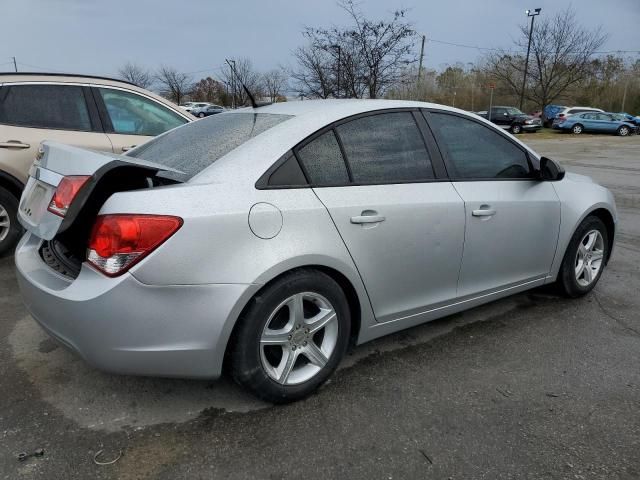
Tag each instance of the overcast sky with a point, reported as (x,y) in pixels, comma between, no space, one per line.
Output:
(98,36)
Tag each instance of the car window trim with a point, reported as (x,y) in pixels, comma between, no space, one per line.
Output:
(337,123)
(106,118)
(92,129)
(447,161)
(94,115)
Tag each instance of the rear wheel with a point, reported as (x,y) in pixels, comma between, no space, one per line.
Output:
(291,337)
(623,131)
(10,229)
(577,129)
(584,259)
(201,115)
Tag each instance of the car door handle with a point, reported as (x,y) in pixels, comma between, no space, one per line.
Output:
(484,211)
(126,149)
(368,216)
(14,144)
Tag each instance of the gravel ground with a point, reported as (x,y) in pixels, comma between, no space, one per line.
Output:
(533,386)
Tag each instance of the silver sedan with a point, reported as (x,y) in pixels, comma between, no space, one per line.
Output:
(271,240)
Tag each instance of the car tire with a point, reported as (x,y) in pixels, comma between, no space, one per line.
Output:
(10,229)
(516,129)
(274,351)
(624,131)
(577,129)
(583,263)
(201,115)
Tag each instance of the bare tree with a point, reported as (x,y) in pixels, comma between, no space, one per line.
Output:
(136,74)
(561,51)
(207,90)
(245,75)
(273,83)
(364,59)
(175,85)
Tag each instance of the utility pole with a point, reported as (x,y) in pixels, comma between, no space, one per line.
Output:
(421,57)
(624,94)
(526,63)
(15,65)
(233,82)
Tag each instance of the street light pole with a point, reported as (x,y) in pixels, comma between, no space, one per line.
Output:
(533,15)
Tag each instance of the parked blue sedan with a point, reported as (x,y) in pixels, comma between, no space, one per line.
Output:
(597,123)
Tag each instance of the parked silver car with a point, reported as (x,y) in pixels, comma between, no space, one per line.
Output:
(271,239)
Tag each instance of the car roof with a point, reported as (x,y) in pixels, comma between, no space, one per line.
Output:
(329,111)
(39,76)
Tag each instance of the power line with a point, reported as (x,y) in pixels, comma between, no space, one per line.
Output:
(476,47)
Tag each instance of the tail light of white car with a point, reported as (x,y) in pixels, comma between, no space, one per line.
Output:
(120,241)
(67,190)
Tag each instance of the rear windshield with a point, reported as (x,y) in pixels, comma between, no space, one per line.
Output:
(195,146)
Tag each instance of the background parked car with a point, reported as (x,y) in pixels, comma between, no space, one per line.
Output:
(568,111)
(512,119)
(92,112)
(186,105)
(597,123)
(206,111)
(196,105)
(549,113)
(631,118)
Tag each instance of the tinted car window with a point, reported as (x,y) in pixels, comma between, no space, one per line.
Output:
(198,145)
(45,106)
(323,162)
(478,152)
(133,114)
(385,148)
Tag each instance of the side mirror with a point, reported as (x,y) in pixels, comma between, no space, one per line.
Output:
(550,170)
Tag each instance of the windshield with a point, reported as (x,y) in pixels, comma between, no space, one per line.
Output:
(196,146)
(513,111)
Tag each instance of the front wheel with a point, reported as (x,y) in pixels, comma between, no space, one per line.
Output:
(623,131)
(584,259)
(516,129)
(10,229)
(201,115)
(291,337)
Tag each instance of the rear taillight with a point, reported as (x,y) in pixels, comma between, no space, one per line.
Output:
(120,241)
(67,190)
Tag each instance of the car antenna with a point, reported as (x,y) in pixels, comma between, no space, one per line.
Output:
(254,104)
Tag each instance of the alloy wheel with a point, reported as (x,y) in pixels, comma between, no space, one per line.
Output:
(589,258)
(624,131)
(577,129)
(299,338)
(5,223)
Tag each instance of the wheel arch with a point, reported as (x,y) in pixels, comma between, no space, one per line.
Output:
(358,306)
(607,218)
(11,184)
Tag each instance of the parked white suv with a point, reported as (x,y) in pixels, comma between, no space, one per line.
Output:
(567,111)
(84,111)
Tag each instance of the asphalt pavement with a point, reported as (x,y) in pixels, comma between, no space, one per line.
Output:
(534,386)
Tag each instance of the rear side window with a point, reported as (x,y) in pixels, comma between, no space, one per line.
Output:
(60,107)
(385,148)
(475,151)
(133,114)
(194,147)
(322,160)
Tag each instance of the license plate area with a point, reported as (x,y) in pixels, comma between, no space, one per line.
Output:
(35,201)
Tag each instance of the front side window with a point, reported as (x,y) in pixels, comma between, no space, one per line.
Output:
(475,151)
(385,148)
(133,114)
(322,161)
(60,107)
